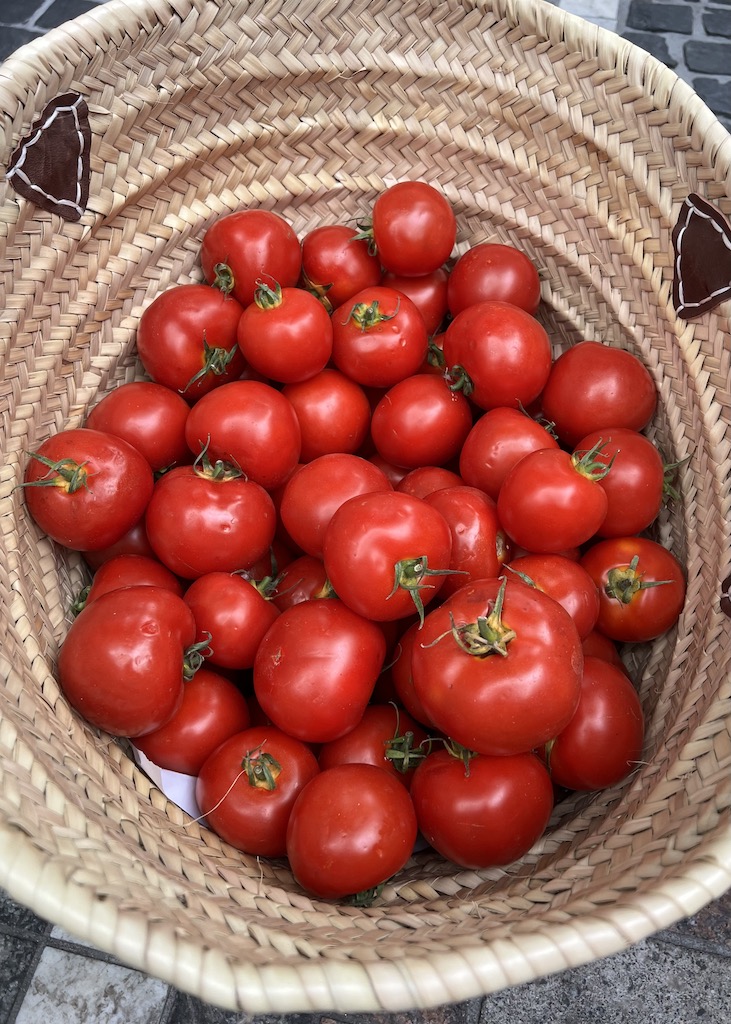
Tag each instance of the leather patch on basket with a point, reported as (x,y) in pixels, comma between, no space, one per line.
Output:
(50,167)
(726,596)
(702,242)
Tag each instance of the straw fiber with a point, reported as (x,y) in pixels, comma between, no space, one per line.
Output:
(542,131)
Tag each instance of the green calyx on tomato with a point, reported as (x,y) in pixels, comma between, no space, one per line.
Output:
(459,380)
(460,753)
(624,581)
(587,464)
(215,361)
(261,769)
(409,574)
(223,278)
(195,656)
(367,315)
(403,753)
(487,635)
(219,470)
(266,297)
(66,474)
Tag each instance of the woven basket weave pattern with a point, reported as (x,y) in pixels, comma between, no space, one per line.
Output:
(541,131)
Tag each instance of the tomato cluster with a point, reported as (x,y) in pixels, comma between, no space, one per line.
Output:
(363,550)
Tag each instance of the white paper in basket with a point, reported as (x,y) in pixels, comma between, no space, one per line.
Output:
(176,787)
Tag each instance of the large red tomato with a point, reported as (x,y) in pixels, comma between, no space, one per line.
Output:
(566,581)
(497,441)
(148,415)
(489,271)
(414,228)
(333,412)
(337,263)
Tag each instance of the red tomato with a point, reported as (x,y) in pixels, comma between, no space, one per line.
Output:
(333,412)
(133,542)
(603,741)
(498,440)
(498,667)
(479,546)
(285,334)
(421,422)
(635,484)
(315,669)
(597,645)
(129,571)
(86,488)
(121,665)
(385,736)
(386,553)
(379,337)
(212,710)
(352,828)
(316,491)
(485,813)
(641,587)
(395,474)
(593,386)
(414,228)
(186,339)
(148,415)
(428,292)
(251,425)
(402,675)
(565,581)
(424,480)
(242,248)
(303,579)
(247,787)
(489,271)
(337,263)
(233,613)
(204,519)
(551,500)
(500,354)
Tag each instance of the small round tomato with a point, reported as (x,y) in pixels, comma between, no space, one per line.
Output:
(635,484)
(641,587)
(247,787)
(499,354)
(285,334)
(603,742)
(497,441)
(148,415)
(379,337)
(337,263)
(251,425)
(316,667)
(490,271)
(480,811)
(316,491)
(242,248)
(130,570)
(87,488)
(386,553)
(123,660)
(303,579)
(414,228)
(428,292)
(212,710)
(351,829)
(565,581)
(385,736)
(333,412)
(593,386)
(186,339)
(133,542)
(425,479)
(421,422)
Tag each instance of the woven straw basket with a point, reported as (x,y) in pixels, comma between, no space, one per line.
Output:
(541,130)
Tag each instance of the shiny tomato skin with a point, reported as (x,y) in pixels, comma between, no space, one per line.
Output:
(366,539)
(566,581)
(491,270)
(352,828)
(498,440)
(249,816)
(635,483)
(197,524)
(333,413)
(424,480)
(94,503)
(316,667)
(597,645)
(593,386)
(232,614)
(479,546)
(148,415)
(285,334)
(246,246)
(250,424)
(371,740)
(304,578)
(499,704)
(316,491)
(414,228)
(428,292)
(212,710)
(653,590)
(504,351)
(420,421)
(129,571)
(133,542)
(336,264)
(547,505)
(379,337)
(176,332)
(603,742)
(486,815)
(402,676)
(121,664)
